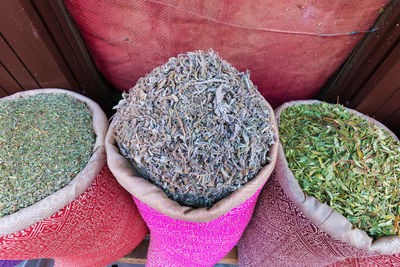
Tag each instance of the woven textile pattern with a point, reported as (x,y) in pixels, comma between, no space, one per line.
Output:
(180,243)
(99,227)
(278,41)
(378,261)
(4,263)
(280,235)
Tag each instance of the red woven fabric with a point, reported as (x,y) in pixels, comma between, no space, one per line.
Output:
(280,235)
(99,227)
(379,261)
(276,40)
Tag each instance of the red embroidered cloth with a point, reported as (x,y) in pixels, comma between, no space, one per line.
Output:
(96,229)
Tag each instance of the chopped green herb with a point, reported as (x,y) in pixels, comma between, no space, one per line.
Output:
(45,141)
(346,162)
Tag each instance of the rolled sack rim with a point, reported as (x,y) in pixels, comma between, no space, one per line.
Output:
(46,207)
(322,215)
(156,198)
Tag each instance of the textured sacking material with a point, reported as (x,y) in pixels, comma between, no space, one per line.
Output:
(291,47)
(9,263)
(185,236)
(291,228)
(90,222)
(377,261)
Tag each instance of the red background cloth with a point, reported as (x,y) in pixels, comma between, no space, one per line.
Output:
(127,38)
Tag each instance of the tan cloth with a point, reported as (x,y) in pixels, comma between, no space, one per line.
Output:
(156,198)
(48,206)
(328,220)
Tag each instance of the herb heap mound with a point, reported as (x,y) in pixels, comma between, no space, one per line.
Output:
(346,162)
(45,141)
(195,127)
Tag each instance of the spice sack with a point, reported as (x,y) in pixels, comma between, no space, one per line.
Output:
(193,142)
(334,196)
(90,220)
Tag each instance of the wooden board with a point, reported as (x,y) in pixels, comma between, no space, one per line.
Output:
(40,47)
(381,86)
(138,255)
(22,28)
(7,81)
(13,63)
(369,81)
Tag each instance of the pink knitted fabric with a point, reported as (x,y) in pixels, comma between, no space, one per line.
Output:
(99,227)
(180,243)
(280,235)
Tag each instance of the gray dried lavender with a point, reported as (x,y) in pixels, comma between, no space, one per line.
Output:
(45,141)
(346,162)
(196,127)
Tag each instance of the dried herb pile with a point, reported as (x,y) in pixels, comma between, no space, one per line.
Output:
(45,141)
(196,127)
(346,162)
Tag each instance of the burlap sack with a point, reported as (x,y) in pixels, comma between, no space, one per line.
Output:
(90,222)
(291,228)
(184,236)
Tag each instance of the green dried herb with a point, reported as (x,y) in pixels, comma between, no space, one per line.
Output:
(196,127)
(45,141)
(346,162)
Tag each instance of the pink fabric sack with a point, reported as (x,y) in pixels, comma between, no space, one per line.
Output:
(90,222)
(184,243)
(185,236)
(290,47)
(291,228)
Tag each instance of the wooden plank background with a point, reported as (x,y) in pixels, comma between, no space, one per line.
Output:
(369,81)
(139,255)
(40,47)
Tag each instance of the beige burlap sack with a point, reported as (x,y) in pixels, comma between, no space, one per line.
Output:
(90,222)
(155,197)
(328,220)
(46,207)
(293,228)
(185,236)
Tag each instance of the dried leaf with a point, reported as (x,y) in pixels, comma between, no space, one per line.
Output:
(206,117)
(355,165)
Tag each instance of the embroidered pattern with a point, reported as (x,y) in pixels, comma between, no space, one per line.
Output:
(97,228)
